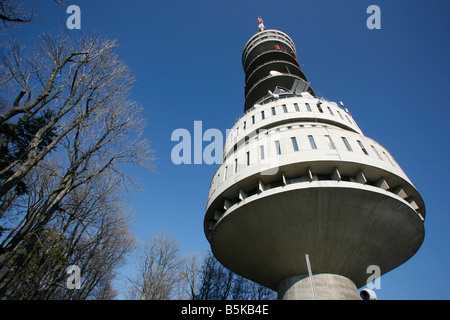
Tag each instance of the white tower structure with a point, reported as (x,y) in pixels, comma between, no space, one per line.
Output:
(300,178)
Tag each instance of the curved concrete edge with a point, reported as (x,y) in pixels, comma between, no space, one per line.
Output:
(265,237)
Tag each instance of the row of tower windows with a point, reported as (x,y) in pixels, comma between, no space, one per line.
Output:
(313,146)
(328,139)
(297,109)
(283,148)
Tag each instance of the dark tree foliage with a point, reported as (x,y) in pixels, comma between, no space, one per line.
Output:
(15,140)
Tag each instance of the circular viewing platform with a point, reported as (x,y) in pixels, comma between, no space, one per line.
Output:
(266,36)
(270,63)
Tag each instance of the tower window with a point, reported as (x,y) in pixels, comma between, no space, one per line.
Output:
(308,107)
(248,158)
(312,142)
(349,148)
(362,147)
(262,115)
(376,152)
(284,108)
(294,143)
(387,157)
(261,152)
(235,165)
(278,147)
(320,108)
(330,142)
(340,115)
(253,119)
(296,107)
(273,111)
(348,120)
(331,112)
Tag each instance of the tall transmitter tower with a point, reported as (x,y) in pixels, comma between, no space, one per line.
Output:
(301,186)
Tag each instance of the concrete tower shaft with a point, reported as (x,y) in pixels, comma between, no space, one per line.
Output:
(299,177)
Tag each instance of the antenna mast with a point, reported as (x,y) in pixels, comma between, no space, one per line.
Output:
(260,25)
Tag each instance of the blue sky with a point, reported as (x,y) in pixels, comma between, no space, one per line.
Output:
(186,57)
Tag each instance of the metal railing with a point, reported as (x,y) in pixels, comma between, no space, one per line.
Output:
(267,35)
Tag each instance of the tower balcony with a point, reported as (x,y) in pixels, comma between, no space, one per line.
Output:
(264,40)
(264,69)
(270,61)
(286,81)
(270,55)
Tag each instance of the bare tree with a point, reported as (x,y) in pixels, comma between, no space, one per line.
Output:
(90,230)
(84,87)
(163,273)
(159,270)
(12,12)
(77,94)
(215,282)
(191,275)
(105,289)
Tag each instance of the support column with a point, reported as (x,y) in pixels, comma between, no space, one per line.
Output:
(327,287)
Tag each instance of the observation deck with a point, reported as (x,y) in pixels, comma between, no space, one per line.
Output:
(270,61)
